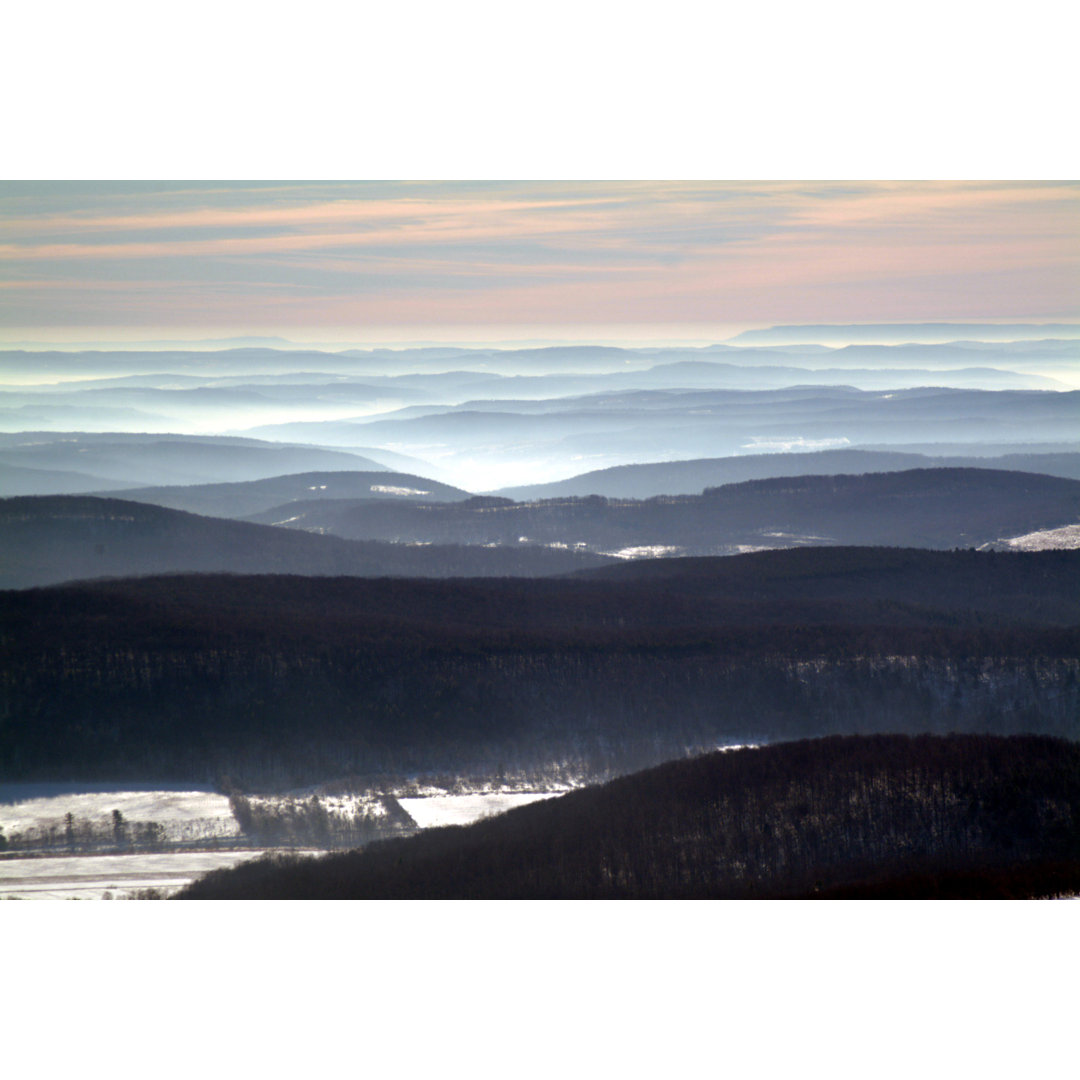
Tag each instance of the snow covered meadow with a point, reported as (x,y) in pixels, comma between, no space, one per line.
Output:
(55,840)
(434,811)
(109,877)
(182,815)
(61,843)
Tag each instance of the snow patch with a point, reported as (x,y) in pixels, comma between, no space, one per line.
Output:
(433,811)
(1065,538)
(390,489)
(757,444)
(90,877)
(646,551)
(179,812)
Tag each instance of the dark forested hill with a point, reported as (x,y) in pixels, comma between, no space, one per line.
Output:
(278,681)
(242,499)
(48,539)
(856,585)
(936,508)
(885,816)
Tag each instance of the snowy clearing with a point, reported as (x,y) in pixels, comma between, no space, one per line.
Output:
(90,877)
(649,551)
(433,811)
(390,489)
(183,815)
(1065,538)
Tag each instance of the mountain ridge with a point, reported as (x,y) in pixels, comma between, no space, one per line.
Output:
(51,539)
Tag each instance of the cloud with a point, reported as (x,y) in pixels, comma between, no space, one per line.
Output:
(427,253)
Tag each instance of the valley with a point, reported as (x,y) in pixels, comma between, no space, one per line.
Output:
(391,596)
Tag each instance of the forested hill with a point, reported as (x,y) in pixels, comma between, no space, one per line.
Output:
(863,585)
(122,458)
(692,477)
(280,681)
(934,508)
(54,538)
(237,500)
(885,816)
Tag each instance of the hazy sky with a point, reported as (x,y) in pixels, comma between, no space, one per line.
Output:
(388,261)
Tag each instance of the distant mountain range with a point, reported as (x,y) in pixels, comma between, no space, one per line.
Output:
(890,333)
(495,443)
(824,346)
(108,461)
(692,477)
(489,418)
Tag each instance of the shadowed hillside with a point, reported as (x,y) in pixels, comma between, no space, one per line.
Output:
(255,496)
(884,816)
(283,681)
(935,508)
(49,539)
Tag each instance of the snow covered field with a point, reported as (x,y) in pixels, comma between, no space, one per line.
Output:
(648,551)
(1065,538)
(90,877)
(433,811)
(183,815)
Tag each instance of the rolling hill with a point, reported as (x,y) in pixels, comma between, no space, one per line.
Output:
(280,681)
(692,477)
(498,443)
(884,816)
(169,459)
(49,539)
(936,508)
(249,497)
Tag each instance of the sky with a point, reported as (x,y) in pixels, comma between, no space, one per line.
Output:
(404,262)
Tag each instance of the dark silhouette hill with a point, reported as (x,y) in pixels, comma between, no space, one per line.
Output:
(53,538)
(935,508)
(239,500)
(888,815)
(282,681)
(692,477)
